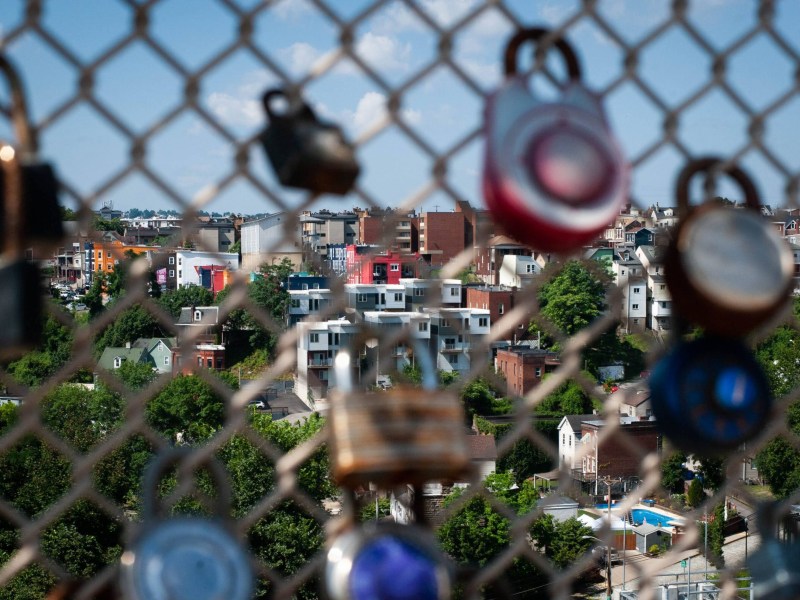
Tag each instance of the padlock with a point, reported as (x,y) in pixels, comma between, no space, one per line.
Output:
(401,435)
(709,395)
(554,177)
(30,214)
(387,561)
(775,566)
(21,303)
(305,152)
(186,557)
(727,269)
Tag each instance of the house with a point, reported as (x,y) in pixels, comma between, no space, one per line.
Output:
(496,299)
(422,293)
(489,258)
(269,240)
(637,405)
(317,345)
(659,308)
(160,351)
(199,323)
(216,234)
(197,268)
(368,264)
(560,507)
(203,355)
(524,367)
(592,460)
(518,271)
(442,236)
(112,358)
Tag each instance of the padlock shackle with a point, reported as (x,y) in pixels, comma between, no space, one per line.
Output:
(174,456)
(295,110)
(536,34)
(24,132)
(709,164)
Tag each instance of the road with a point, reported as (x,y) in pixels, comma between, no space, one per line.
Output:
(668,569)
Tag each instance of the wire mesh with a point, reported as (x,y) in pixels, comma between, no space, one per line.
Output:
(133,147)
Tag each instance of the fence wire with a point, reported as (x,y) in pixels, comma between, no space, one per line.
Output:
(439,158)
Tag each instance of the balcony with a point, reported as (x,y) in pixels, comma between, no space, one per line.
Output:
(320,363)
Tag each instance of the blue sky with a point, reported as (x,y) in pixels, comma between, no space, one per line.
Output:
(140,89)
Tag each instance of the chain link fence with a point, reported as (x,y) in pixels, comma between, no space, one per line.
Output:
(79,472)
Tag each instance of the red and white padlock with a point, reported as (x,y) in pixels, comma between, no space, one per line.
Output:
(554,176)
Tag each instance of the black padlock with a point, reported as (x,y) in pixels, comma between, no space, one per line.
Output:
(305,152)
(727,269)
(710,395)
(34,218)
(21,305)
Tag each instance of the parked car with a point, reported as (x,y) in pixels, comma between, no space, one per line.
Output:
(257,404)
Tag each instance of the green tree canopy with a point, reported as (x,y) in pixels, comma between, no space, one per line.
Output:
(573,298)
(191,295)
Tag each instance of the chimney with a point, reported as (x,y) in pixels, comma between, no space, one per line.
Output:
(128,345)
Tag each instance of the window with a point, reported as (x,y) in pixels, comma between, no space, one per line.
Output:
(501,309)
(166,360)
(662,287)
(198,315)
(295,303)
(635,307)
(563,438)
(530,268)
(538,371)
(117,362)
(636,321)
(108,254)
(454,291)
(180,261)
(569,441)
(313,338)
(304,286)
(394,267)
(483,321)
(180,273)
(419,291)
(109,266)
(210,362)
(172,272)
(636,290)
(622,272)
(172,260)
(398,296)
(423,326)
(199,361)
(361,298)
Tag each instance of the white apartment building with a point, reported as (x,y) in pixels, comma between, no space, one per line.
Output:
(271,238)
(187,263)
(518,270)
(317,345)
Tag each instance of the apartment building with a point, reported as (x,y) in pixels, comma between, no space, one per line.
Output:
(269,240)
(201,268)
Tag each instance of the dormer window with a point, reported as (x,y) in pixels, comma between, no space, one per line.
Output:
(117,362)
(198,315)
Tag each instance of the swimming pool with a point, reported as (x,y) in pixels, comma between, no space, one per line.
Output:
(642,515)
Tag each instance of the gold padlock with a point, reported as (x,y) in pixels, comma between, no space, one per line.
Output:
(402,435)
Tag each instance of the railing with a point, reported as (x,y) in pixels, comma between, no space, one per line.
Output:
(118,138)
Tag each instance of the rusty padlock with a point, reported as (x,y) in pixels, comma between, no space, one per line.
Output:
(387,561)
(305,152)
(727,269)
(554,176)
(710,395)
(186,557)
(402,435)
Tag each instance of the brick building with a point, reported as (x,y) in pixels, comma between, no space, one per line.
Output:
(524,367)
(364,265)
(442,236)
(388,229)
(498,300)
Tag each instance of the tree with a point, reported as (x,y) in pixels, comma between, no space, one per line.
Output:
(189,406)
(132,324)
(53,351)
(573,298)
(101,224)
(191,295)
(136,375)
(563,542)
(672,472)
(568,399)
(696,493)
(712,470)
(94,297)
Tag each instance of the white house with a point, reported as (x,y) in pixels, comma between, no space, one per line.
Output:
(271,239)
(518,270)
(188,263)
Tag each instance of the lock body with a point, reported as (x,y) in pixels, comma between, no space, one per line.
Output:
(187,559)
(380,561)
(727,269)
(404,435)
(41,214)
(710,395)
(21,305)
(307,153)
(554,177)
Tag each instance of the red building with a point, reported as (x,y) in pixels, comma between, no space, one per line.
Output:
(202,356)
(498,300)
(363,265)
(523,367)
(442,236)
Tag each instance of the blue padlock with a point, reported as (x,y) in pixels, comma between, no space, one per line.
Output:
(710,395)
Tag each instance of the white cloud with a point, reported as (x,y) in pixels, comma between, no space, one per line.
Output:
(371,109)
(447,12)
(233,110)
(300,56)
(398,17)
(383,52)
(292,9)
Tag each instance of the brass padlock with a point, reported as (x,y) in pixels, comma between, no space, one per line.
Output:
(305,152)
(727,269)
(29,211)
(385,560)
(401,435)
(186,557)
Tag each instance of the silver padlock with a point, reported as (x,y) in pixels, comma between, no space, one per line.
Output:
(402,435)
(387,561)
(186,557)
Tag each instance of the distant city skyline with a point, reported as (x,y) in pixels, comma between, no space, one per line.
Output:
(138,88)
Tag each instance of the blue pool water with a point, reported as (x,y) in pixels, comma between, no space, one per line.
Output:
(640,515)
